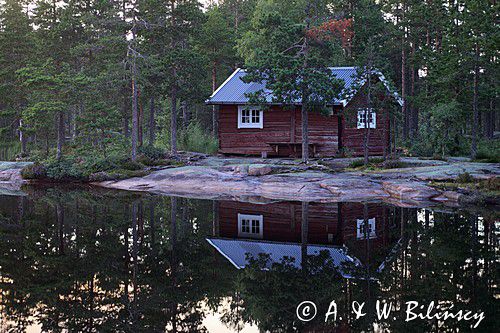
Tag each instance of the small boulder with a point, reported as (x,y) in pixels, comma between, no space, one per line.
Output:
(259,169)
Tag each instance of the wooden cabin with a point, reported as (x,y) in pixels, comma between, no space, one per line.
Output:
(276,130)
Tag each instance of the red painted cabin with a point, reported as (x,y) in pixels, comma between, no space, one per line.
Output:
(276,130)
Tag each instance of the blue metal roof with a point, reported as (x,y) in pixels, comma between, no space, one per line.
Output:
(234,90)
(236,251)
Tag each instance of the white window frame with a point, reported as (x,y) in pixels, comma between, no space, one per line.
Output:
(251,233)
(360,232)
(251,108)
(361,121)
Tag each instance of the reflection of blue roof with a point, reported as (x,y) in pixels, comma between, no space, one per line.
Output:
(234,90)
(236,250)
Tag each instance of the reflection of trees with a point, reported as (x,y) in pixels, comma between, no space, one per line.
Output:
(453,260)
(449,262)
(112,261)
(86,261)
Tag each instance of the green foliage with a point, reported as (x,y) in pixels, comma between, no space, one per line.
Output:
(443,134)
(195,139)
(9,150)
(132,166)
(491,184)
(34,171)
(464,178)
(360,163)
(489,151)
(152,152)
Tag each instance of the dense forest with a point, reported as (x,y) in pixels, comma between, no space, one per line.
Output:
(103,79)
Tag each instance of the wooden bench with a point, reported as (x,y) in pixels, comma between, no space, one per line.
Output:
(295,147)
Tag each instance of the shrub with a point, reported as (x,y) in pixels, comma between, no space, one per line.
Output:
(195,139)
(151,152)
(360,162)
(464,178)
(34,171)
(492,184)
(393,164)
(131,165)
(357,163)
(489,151)
(65,169)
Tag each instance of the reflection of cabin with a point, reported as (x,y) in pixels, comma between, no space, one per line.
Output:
(274,129)
(333,224)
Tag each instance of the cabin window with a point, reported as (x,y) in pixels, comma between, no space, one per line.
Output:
(250,117)
(250,226)
(372,118)
(366,230)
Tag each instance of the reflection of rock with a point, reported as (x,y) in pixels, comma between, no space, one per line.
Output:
(449,196)
(411,190)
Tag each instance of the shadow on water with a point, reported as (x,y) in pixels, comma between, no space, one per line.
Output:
(96,260)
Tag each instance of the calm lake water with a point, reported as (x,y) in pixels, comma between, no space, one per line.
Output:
(93,260)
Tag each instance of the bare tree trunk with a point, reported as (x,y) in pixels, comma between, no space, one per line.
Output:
(305,134)
(214,87)
(475,120)
(140,117)
(135,115)
(369,109)
(414,110)
(403,77)
(305,93)
(125,113)
(22,137)
(185,114)
(135,122)
(152,123)
(173,91)
(60,133)
(173,119)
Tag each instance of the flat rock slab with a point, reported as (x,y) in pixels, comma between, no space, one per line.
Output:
(403,188)
(10,172)
(441,172)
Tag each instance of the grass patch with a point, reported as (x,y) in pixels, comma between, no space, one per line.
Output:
(468,183)
(376,163)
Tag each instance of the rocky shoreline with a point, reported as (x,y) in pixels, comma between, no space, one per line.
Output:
(260,180)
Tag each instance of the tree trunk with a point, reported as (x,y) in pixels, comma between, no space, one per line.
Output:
(305,92)
(140,117)
(185,114)
(368,111)
(60,134)
(22,137)
(403,76)
(403,94)
(152,123)
(173,89)
(214,87)
(305,134)
(414,110)
(135,115)
(173,119)
(475,120)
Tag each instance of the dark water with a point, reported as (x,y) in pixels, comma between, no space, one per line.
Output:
(86,260)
